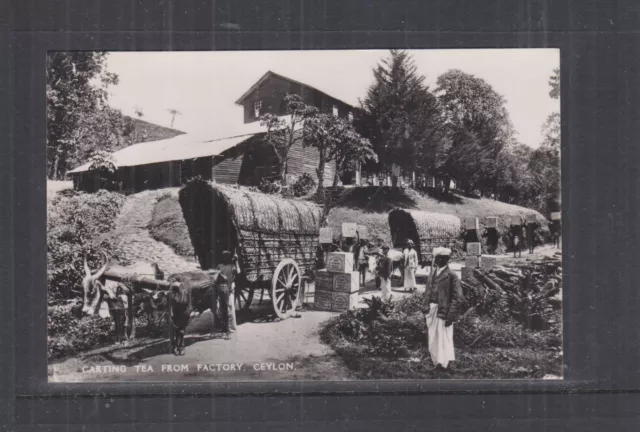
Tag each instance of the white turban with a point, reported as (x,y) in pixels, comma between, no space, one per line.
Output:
(441,251)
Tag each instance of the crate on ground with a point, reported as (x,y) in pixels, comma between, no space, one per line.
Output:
(488,261)
(474,249)
(491,222)
(344,301)
(472,261)
(346,282)
(363,232)
(556,216)
(326,236)
(324,280)
(340,262)
(323,300)
(349,229)
(471,224)
(467,273)
(516,220)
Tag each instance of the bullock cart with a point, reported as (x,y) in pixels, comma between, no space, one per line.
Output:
(427,230)
(275,239)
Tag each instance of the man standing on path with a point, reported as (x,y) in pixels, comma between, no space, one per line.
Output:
(531,236)
(442,304)
(229,269)
(385,268)
(410,266)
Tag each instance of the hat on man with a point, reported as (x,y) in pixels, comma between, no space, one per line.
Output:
(384,247)
(410,242)
(441,251)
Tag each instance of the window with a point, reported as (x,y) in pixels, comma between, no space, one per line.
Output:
(257,106)
(350,117)
(335,111)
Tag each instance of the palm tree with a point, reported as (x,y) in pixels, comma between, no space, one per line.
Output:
(174,112)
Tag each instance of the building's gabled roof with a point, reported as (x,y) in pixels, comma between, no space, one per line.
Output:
(316,81)
(181,147)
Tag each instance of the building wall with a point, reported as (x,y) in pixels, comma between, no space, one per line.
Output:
(226,168)
(273,91)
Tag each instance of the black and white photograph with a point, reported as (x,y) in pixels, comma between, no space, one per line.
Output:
(335,215)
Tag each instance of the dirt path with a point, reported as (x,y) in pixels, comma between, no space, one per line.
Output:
(282,350)
(137,243)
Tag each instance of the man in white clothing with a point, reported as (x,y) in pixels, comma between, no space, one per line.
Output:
(410,266)
(442,304)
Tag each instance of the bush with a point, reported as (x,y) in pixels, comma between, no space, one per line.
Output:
(78,225)
(303,185)
(67,335)
(270,187)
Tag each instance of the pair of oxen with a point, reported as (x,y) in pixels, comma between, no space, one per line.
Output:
(191,294)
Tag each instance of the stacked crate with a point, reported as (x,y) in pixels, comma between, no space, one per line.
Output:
(337,286)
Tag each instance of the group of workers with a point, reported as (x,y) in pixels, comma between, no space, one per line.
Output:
(443,290)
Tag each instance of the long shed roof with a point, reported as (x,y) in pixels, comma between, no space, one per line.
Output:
(181,147)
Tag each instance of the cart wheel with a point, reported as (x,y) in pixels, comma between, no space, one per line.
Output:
(285,287)
(243,295)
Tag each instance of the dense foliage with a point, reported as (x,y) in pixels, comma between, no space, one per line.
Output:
(461,130)
(77,225)
(303,185)
(496,331)
(67,335)
(402,117)
(79,120)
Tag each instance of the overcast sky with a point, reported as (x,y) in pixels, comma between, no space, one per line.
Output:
(204,86)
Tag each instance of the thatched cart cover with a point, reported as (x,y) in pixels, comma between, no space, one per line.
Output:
(427,230)
(262,229)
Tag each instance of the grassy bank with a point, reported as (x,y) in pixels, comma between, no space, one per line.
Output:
(168,226)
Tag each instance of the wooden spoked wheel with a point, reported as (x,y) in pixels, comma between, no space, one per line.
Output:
(285,288)
(243,295)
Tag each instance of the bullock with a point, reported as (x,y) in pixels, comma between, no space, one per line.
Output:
(195,294)
(113,299)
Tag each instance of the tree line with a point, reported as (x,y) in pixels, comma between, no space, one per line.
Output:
(458,130)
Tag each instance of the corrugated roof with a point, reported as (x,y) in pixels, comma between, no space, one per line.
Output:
(326,83)
(181,147)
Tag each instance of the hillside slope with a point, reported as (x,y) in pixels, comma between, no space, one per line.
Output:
(368,206)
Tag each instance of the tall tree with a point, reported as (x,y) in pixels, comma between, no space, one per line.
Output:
(401,115)
(554,83)
(77,111)
(544,163)
(283,133)
(173,112)
(478,127)
(336,141)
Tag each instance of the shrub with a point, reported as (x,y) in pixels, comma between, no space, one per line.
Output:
(270,187)
(303,185)
(78,225)
(67,335)
(389,338)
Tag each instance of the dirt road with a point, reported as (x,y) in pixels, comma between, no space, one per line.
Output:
(282,350)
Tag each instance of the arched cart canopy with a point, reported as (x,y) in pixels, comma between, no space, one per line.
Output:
(427,230)
(262,229)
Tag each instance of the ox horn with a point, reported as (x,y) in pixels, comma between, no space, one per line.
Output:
(87,271)
(104,266)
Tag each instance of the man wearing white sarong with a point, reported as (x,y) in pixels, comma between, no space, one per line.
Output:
(385,269)
(443,301)
(410,266)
